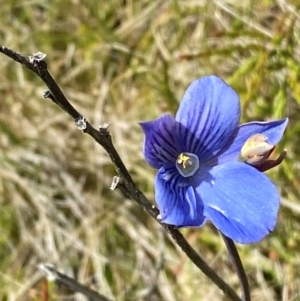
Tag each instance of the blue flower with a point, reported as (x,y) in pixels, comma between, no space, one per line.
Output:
(203,174)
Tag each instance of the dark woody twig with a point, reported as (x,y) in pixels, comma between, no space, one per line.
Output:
(124,181)
(71,283)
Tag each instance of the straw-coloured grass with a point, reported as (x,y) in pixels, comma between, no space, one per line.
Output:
(123,62)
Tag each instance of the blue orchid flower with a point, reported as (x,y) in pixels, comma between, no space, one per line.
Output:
(202,174)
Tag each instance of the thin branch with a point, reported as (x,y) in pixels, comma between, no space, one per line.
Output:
(70,283)
(188,250)
(232,250)
(124,182)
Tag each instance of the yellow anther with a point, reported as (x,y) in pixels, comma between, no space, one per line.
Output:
(187,164)
(183,160)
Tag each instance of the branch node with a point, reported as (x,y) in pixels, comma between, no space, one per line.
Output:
(49,94)
(115,182)
(48,268)
(81,123)
(37,57)
(103,129)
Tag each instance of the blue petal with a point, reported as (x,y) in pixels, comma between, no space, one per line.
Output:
(176,200)
(160,143)
(273,130)
(209,113)
(240,201)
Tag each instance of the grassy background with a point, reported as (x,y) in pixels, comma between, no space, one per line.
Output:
(124,61)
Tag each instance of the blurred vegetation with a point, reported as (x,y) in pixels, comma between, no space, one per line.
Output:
(124,61)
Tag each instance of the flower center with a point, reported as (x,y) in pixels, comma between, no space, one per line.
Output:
(187,164)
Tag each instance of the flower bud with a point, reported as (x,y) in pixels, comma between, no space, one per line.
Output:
(256,150)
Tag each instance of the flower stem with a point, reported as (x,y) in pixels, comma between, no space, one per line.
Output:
(201,263)
(234,255)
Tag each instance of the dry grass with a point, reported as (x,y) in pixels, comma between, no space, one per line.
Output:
(123,62)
